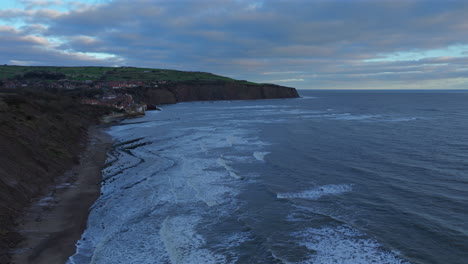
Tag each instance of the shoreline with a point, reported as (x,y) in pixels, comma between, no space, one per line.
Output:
(52,225)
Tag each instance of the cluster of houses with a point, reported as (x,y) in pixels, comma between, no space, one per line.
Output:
(123,102)
(73,84)
(112,98)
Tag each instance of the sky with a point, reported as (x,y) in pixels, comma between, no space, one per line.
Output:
(306,44)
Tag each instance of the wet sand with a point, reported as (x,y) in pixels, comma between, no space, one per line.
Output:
(53,224)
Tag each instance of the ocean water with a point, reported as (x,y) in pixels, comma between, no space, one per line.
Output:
(332,177)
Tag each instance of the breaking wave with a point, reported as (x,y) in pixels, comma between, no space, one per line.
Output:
(318,192)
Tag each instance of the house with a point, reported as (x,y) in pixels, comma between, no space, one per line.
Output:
(109,97)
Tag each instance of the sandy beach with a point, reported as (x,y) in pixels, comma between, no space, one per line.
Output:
(53,224)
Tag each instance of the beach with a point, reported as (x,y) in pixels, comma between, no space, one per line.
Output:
(54,222)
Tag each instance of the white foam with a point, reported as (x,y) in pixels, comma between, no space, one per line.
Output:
(259,107)
(299,112)
(236,140)
(225,164)
(316,193)
(181,173)
(237,159)
(358,117)
(345,245)
(210,186)
(348,116)
(260,155)
(402,119)
(263,121)
(184,244)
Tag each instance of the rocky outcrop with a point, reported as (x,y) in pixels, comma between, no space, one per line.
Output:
(211,91)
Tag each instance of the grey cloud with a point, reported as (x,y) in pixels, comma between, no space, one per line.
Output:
(30,4)
(18,47)
(323,40)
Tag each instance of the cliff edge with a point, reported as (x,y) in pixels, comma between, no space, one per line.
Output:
(210,91)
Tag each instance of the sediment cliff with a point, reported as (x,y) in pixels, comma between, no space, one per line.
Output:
(41,136)
(211,91)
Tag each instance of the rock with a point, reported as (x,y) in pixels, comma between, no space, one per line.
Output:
(152,107)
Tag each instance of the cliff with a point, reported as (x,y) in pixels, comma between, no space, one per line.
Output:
(41,136)
(210,91)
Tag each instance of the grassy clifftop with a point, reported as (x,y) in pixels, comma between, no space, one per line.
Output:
(107,73)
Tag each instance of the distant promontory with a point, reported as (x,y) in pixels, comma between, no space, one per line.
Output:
(149,86)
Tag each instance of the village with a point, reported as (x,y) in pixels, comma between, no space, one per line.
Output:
(121,102)
(77,84)
(111,97)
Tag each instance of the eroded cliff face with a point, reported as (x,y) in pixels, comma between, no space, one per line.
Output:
(211,91)
(158,96)
(41,136)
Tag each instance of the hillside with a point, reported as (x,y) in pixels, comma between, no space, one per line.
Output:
(150,86)
(104,73)
(41,136)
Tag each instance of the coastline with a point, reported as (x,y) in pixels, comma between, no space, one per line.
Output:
(52,225)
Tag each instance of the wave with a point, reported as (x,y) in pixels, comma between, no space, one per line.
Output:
(358,117)
(260,155)
(184,244)
(344,244)
(402,119)
(348,116)
(430,109)
(318,192)
(224,163)
(259,107)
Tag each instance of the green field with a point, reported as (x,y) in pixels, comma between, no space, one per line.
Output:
(111,73)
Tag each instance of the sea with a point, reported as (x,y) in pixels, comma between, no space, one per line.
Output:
(331,177)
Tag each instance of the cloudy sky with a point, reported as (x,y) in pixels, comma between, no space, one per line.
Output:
(317,44)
